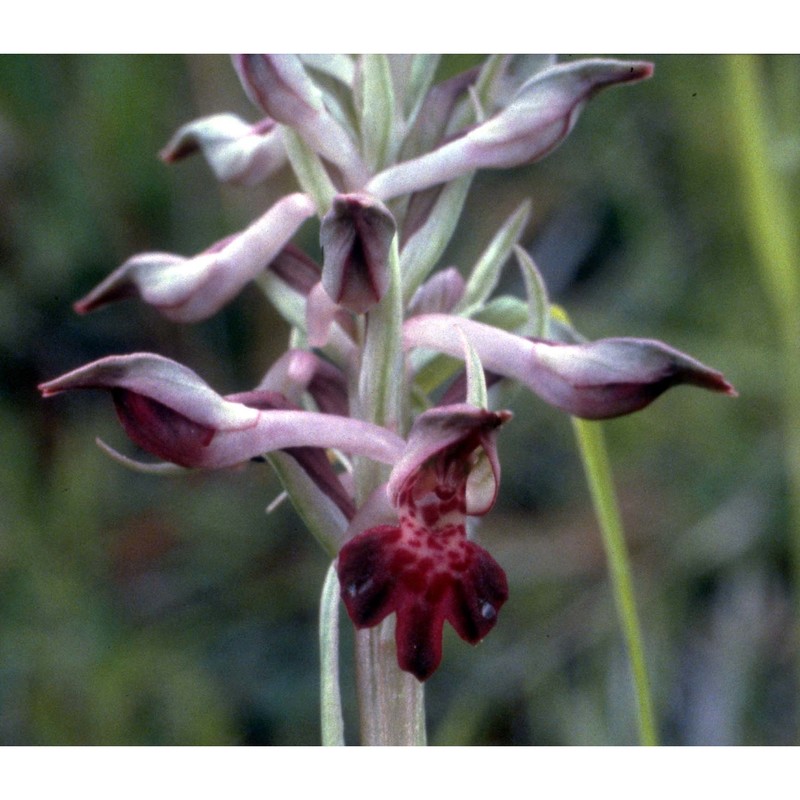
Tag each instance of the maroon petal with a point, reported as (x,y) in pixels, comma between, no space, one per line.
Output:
(328,387)
(296,268)
(478,596)
(426,577)
(419,639)
(366,576)
(425,569)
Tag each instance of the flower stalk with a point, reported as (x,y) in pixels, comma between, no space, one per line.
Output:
(769,219)
(596,465)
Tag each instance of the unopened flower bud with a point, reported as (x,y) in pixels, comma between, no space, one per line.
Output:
(356,238)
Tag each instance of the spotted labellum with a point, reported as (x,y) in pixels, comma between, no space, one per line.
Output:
(424,568)
(378,417)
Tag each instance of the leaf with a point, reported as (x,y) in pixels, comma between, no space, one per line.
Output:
(382,359)
(421,74)
(487,86)
(421,252)
(308,169)
(538,303)
(486,272)
(476,380)
(320,514)
(377,112)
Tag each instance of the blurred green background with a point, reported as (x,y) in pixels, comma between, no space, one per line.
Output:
(143,610)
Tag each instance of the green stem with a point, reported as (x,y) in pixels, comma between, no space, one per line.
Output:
(598,473)
(391,702)
(771,224)
(331,698)
(768,214)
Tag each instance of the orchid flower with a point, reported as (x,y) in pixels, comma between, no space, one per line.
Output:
(171,412)
(382,459)
(424,568)
(192,289)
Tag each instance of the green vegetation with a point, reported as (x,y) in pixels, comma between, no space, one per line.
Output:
(137,609)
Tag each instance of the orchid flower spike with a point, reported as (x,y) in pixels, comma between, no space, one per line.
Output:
(361,374)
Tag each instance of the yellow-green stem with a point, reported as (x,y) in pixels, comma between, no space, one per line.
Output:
(591,442)
(771,224)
